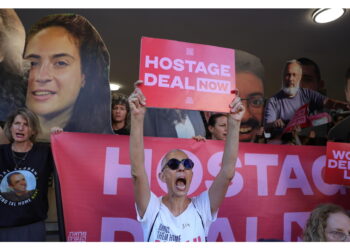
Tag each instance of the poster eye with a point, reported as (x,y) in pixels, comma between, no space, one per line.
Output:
(33,64)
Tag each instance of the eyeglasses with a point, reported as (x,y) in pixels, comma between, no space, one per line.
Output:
(338,235)
(255,100)
(174,164)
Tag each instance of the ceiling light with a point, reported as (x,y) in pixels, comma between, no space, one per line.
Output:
(327,15)
(114,86)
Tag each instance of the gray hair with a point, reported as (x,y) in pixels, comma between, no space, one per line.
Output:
(292,61)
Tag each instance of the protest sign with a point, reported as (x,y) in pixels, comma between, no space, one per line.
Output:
(338,163)
(299,119)
(184,75)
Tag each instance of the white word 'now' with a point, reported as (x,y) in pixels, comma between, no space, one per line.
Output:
(201,84)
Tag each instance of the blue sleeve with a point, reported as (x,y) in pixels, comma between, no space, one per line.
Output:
(318,99)
(270,112)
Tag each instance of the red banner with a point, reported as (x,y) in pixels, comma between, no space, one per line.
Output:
(200,76)
(338,163)
(271,195)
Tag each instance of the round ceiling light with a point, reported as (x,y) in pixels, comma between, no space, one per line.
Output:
(114,86)
(327,15)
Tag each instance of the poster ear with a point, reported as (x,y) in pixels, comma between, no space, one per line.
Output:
(161,176)
(211,129)
(322,84)
(83,80)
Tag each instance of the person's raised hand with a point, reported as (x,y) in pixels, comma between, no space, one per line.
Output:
(56,130)
(236,108)
(199,138)
(137,101)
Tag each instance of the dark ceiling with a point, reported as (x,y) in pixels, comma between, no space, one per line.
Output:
(274,35)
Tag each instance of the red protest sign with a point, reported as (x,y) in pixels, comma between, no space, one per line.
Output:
(338,163)
(186,75)
(299,119)
(274,189)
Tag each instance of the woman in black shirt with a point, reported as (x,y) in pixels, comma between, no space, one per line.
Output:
(25,167)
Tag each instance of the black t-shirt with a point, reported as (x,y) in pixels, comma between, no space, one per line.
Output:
(24,184)
(122,131)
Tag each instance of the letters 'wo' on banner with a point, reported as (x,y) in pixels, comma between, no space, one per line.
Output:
(201,77)
(338,163)
(274,189)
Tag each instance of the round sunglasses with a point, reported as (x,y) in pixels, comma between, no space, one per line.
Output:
(174,164)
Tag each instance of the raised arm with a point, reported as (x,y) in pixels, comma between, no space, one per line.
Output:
(335,104)
(141,186)
(218,189)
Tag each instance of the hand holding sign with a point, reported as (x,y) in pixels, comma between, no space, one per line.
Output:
(278,124)
(236,108)
(137,101)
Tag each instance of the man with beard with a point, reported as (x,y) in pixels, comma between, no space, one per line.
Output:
(281,107)
(12,87)
(249,80)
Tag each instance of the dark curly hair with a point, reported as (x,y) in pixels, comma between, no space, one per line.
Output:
(122,100)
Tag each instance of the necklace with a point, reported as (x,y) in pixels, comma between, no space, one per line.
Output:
(19,160)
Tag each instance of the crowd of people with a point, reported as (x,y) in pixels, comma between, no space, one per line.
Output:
(273,117)
(69,66)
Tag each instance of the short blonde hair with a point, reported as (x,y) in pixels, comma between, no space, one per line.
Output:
(317,222)
(32,119)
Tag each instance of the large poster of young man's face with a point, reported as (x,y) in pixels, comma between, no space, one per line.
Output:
(250,82)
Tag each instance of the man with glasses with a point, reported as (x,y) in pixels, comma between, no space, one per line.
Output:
(175,216)
(249,80)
